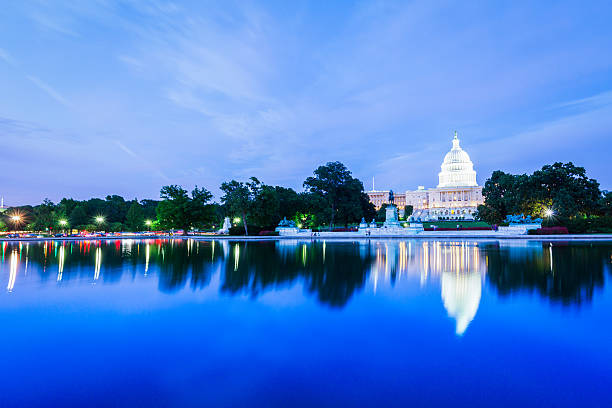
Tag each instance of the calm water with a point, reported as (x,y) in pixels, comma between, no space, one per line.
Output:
(292,323)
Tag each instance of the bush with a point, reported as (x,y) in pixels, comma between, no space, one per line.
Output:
(265,233)
(239,230)
(582,225)
(460,229)
(548,231)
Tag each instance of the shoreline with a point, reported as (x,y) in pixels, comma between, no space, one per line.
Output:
(453,236)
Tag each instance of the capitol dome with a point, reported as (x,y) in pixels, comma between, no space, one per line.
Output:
(457,168)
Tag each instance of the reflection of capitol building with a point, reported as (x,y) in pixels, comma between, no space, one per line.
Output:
(456,196)
(457,265)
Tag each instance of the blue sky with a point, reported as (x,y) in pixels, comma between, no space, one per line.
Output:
(103,97)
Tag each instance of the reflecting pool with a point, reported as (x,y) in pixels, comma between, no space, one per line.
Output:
(298,323)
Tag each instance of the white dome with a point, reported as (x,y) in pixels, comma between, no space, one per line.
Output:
(457,168)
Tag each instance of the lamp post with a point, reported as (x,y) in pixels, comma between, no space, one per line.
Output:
(148,223)
(63,224)
(16,220)
(99,220)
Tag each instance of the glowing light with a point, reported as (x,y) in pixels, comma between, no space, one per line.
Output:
(99,219)
(147,256)
(549,212)
(236,257)
(13,270)
(236,220)
(148,223)
(63,223)
(98,263)
(16,218)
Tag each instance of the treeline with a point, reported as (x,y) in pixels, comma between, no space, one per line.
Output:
(560,193)
(113,213)
(332,196)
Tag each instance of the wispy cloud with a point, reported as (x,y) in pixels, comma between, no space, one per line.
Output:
(6,57)
(142,160)
(49,90)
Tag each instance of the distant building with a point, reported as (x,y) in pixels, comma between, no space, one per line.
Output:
(455,198)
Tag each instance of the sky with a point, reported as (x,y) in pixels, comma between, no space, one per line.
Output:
(123,97)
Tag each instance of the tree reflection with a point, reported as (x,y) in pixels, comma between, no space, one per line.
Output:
(564,273)
(333,275)
(332,271)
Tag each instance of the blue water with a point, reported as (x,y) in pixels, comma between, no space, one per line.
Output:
(294,323)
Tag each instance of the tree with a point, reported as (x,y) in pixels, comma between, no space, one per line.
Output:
(329,181)
(238,198)
(353,203)
(266,207)
(78,216)
(115,208)
(567,188)
(134,220)
(605,203)
(44,216)
(178,210)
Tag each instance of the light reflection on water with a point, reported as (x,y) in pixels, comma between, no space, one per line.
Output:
(297,313)
(332,270)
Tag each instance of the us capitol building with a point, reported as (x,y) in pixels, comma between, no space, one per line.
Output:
(455,198)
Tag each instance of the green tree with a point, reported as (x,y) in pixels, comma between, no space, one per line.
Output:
(178,210)
(78,216)
(329,182)
(44,216)
(238,198)
(562,187)
(567,188)
(134,219)
(265,208)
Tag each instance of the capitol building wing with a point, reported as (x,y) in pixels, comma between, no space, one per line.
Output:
(455,198)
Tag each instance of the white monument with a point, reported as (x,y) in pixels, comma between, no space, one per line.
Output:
(391,220)
(226,226)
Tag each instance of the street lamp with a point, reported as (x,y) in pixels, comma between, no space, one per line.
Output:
(99,220)
(63,224)
(549,212)
(148,223)
(16,220)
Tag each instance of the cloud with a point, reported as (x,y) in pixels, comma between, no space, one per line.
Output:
(49,90)
(6,57)
(142,160)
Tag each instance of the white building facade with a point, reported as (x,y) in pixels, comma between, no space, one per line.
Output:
(455,198)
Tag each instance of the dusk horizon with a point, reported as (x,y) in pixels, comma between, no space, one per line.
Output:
(123,98)
(305,203)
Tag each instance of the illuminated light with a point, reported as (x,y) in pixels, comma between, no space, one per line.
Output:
(99,219)
(236,220)
(62,222)
(98,263)
(549,212)
(148,223)
(16,218)
(13,271)
(147,256)
(236,256)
